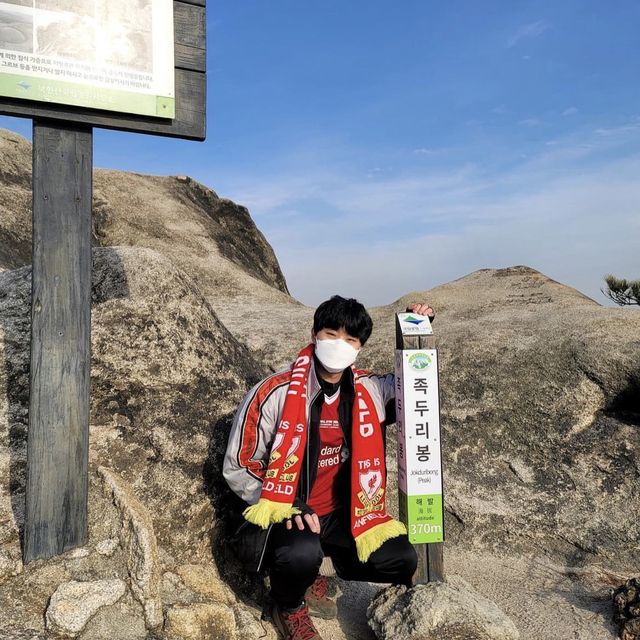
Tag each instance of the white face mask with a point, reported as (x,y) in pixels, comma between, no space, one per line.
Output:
(335,355)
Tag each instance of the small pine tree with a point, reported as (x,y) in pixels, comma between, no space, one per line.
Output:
(621,291)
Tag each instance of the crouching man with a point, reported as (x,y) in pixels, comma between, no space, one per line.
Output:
(306,453)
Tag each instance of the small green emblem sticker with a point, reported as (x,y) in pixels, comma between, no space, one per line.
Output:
(419,361)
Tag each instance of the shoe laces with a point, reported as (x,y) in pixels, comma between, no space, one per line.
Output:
(319,587)
(300,625)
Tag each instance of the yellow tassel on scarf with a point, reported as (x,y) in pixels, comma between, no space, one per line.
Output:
(372,539)
(266,512)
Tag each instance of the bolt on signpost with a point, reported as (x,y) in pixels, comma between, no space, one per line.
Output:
(419,450)
(149,78)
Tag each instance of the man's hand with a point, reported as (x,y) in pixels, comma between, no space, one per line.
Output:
(421,309)
(311,519)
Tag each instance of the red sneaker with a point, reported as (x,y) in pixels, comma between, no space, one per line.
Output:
(294,624)
(316,597)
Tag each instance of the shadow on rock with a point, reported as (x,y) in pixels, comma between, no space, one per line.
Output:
(108,281)
(228,509)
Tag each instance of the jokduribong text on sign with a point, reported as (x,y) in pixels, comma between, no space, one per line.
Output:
(419,452)
(114,55)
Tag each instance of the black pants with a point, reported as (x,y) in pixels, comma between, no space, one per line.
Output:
(293,558)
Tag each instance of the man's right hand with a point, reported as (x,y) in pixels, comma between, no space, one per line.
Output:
(422,309)
(312,520)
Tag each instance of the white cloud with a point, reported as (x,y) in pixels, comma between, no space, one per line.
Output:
(530,30)
(560,211)
(570,111)
(530,122)
(568,229)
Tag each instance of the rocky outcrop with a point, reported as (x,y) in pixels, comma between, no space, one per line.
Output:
(165,373)
(449,610)
(626,604)
(74,603)
(211,238)
(139,542)
(540,389)
(540,396)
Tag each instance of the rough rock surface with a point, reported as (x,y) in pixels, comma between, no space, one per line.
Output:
(73,603)
(626,603)
(200,622)
(15,200)
(107,547)
(165,372)
(449,610)
(121,621)
(139,542)
(211,238)
(205,581)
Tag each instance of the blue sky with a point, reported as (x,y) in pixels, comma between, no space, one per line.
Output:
(388,147)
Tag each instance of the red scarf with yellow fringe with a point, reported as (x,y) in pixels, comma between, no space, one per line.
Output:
(371,526)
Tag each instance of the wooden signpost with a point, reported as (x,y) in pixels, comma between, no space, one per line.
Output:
(419,449)
(58,438)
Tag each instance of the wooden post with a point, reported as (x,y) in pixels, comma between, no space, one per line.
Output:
(430,556)
(58,439)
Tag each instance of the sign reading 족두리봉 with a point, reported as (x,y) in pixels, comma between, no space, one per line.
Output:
(419,452)
(114,55)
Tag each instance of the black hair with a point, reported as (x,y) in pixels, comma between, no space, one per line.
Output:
(338,312)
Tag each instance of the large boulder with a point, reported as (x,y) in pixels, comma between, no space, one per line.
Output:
(165,376)
(211,238)
(448,610)
(15,200)
(540,395)
(74,603)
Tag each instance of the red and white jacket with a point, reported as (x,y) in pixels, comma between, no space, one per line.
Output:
(256,420)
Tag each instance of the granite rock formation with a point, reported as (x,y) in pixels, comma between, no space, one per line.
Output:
(448,610)
(540,406)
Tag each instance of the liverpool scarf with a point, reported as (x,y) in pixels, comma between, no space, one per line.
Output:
(371,526)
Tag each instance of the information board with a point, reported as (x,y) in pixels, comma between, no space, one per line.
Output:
(114,55)
(419,451)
